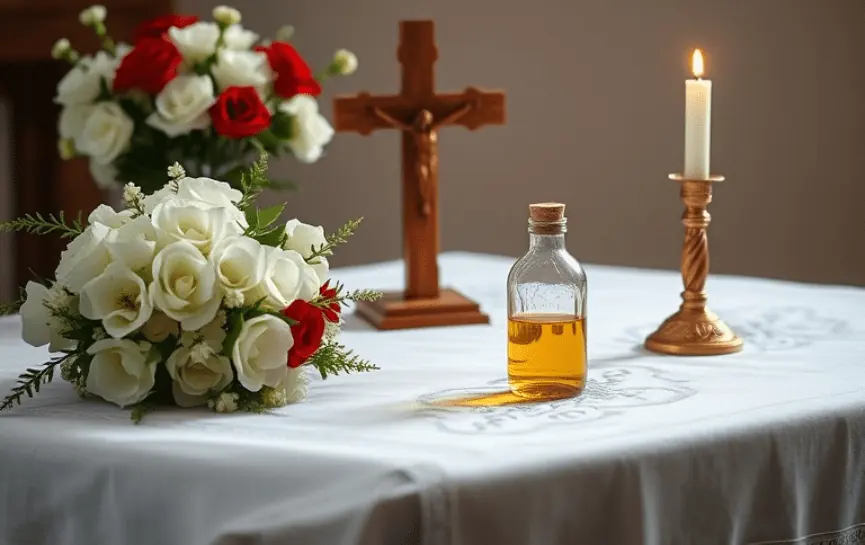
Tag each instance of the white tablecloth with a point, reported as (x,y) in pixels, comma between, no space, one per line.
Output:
(764,447)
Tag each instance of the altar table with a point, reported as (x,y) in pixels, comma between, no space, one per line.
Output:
(762,447)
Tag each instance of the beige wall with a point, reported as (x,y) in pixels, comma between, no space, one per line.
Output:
(595,106)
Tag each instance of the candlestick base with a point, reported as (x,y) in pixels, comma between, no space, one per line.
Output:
(694,333)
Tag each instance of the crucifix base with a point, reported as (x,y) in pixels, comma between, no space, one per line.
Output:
(394,311)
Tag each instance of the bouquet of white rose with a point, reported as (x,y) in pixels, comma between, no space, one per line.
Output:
(189,296)
(207,94)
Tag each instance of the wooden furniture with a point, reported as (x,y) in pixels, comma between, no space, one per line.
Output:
(419,112)
(42,182)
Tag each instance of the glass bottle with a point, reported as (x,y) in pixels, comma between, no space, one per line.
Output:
(547,356)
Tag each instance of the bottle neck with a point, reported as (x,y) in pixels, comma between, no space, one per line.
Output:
(539,242)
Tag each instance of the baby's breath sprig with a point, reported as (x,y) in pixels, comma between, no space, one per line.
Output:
(133,198)
(341,236)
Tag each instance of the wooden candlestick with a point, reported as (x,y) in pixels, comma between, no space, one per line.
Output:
(694,330)
(418,113)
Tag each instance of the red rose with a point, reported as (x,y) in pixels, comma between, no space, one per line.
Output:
(307,332)
(158,27)
(239,112)
(150,65)
(332,311)
(293,76)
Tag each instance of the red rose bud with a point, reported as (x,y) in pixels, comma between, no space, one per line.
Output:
(293,75)
(307,331)
(333,309)
(151,64)
(239,112)
(158,27)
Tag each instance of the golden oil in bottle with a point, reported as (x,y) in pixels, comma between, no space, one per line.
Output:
(546,355)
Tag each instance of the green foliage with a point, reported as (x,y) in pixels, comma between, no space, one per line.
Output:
(253,182)
(262,225)
(333,358)
(341,236)
(37,224)
(11,308)
(31,380)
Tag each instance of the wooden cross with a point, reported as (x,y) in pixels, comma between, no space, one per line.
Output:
(419,112)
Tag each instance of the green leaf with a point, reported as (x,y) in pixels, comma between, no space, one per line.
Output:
(273,238)
(267,216)
(268,140)
(282,125)
(235,325)
(252,219)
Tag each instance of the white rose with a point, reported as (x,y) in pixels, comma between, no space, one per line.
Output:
(106,133)
(195,42)
(200,224)
(120,371)
(109,217)
(195,376)
(184,285)
(85,258)
(302,238)
(345,62)
(158,197)
(296,384)
(118,297)
(286,278)
(261,351)
(159,327)
(133,244)
(214,193)
(181,106)
(310,130)
(72,121)
(239,263)
(39,327)
(240,68)
(82,84)
(238,38)
(226,15)
(103,175)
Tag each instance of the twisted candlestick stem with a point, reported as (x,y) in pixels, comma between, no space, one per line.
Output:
(695,252)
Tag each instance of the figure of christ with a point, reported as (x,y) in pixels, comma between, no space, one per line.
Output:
(423,131)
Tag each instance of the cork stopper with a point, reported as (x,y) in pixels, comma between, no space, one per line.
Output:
(547,218)
(546,212)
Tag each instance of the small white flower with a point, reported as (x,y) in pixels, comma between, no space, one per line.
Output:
(214,193)
(303,238)
(260,352)
(72,120)
(241,68)
(92,15)
(159,327)
(106,133)
(107,216)
(66,148)
(176,171)
(39,327)
(131,194)
(195,42)
(284,33)
(197,374)
(198,223)
(225,403)
(120,371)
(286,278)
(239,263)
(182,105)
(184,285)
(345,62)
(119,298)
(226,15)
(85,258)
(103,175)
(81,85)
(310,130)
(60,48)
(296,384)
(133,244)
(238,38)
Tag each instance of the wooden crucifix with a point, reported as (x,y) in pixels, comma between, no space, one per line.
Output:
(418,112)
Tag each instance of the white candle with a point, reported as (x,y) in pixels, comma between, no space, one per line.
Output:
(698,122)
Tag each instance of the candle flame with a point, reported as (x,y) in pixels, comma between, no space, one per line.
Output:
(697,63)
